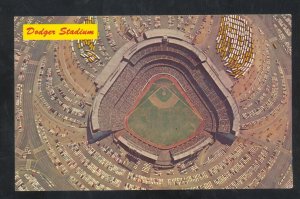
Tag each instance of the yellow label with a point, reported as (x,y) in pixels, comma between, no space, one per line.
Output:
(60,31)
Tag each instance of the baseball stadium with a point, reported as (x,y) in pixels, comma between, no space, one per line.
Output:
(162,99)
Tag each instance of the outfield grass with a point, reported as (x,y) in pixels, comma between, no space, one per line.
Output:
(163,126)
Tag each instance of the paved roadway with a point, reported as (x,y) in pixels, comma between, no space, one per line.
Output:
(29,124)
(267,26)
(30,135)
(55,82)
(284,59)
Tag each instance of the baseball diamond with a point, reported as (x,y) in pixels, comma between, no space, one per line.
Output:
(163,118)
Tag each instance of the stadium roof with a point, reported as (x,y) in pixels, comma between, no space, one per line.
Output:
(139,150)
(193,150)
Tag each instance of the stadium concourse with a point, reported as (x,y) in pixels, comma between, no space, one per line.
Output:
(156,102)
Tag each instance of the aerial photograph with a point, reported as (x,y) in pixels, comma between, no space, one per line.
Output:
(155,102)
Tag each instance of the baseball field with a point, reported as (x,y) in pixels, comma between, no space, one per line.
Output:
(163,116)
